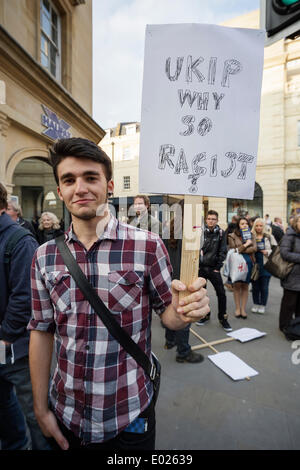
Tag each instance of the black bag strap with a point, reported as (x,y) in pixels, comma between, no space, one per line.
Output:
(102,311)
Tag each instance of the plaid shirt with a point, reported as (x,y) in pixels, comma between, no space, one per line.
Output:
(98,388)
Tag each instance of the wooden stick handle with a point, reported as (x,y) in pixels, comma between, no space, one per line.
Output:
(191,240)
(208,345)
(219,341)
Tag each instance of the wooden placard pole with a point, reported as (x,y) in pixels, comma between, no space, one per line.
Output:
(191,240)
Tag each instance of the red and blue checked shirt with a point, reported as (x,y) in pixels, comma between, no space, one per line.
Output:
(97,387)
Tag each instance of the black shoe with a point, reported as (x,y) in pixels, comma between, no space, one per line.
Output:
(225,325)
(192,358)
(169,345)
(203,320)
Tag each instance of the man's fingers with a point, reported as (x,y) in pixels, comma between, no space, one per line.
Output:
(197,284)
(50,428)
(61,441)
(177,286)
(197,314)
(195,301)
(197,296)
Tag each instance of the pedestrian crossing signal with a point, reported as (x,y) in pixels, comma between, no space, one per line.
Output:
(281,14)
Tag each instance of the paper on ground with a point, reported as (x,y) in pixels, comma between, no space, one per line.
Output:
(232,365)
(246,334)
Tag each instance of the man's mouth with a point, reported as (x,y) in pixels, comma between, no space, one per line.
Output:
(82,201)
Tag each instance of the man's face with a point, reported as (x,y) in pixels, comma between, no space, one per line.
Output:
(139,206)
(211,221)
(83,186)
(11,212)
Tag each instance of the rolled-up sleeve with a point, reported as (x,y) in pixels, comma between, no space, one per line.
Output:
(160,278)
(42,316)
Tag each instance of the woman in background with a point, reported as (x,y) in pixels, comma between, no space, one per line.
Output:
(48,228)
(264,241)
(244,241)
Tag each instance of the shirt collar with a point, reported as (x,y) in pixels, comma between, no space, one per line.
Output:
(110,231)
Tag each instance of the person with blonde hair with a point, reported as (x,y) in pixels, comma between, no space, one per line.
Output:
(264,242)
(48,228)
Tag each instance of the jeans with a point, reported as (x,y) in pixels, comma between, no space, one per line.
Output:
(16,402)
(260,290)
(216,279)
(181,339)
(290,304)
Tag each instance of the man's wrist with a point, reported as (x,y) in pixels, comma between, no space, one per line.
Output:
(40,410)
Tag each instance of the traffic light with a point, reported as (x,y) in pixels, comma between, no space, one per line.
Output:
(280,15)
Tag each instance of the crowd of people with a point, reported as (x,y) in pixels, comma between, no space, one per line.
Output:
(97,396)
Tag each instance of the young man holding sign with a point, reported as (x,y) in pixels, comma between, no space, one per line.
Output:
(98,392)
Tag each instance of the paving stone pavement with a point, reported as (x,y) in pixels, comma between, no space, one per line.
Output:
(201,408)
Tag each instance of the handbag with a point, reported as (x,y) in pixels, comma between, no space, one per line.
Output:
(276,265)
(238,268)
(255,272)
(151,368)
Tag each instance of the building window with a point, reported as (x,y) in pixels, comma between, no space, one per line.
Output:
(126,153)
(126,182)
(50,38)
(130,130)
(242,207)
(293,197)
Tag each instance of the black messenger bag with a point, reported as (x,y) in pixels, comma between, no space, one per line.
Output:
(152,369)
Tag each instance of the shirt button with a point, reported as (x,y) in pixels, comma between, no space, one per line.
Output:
(87,347)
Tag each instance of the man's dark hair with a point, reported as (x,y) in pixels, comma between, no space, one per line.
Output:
(79,148)
(212,212)
(145,198)
(3,197)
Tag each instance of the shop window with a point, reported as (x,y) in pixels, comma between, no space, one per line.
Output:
(126,182)
(293,197)
(50,38)
(242,207)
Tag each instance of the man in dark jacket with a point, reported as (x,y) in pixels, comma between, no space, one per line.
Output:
(277,229)
(15,311)
(212,255)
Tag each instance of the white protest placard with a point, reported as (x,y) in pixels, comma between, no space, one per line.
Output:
(246,334)
(200,110)
(232,365)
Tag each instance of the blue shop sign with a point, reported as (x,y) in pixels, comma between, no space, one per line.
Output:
(56,128)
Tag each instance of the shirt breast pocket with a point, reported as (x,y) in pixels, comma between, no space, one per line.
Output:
(125,290)
(58,284)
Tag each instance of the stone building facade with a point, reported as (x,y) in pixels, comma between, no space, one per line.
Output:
(45,93)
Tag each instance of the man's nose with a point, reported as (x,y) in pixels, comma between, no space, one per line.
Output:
(80,186)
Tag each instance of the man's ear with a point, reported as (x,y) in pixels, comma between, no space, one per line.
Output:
(110,186)
(59,193)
